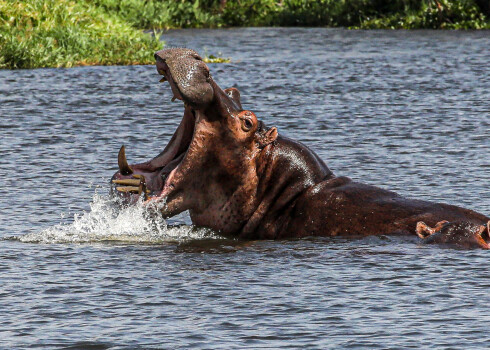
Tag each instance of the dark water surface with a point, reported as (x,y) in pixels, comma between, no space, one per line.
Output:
(407,111)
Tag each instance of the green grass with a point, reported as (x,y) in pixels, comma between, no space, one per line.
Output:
(63,33)
(66,33)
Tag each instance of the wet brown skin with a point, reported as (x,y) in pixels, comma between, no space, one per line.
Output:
(458,234)
(238,177)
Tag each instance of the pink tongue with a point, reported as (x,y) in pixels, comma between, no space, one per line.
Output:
(167,187)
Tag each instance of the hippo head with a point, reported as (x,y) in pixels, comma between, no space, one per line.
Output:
(463,234)
(210,165)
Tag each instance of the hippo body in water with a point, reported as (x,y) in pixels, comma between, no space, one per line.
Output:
(237,176)
(459,234)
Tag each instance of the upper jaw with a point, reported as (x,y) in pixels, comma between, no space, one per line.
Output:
(187,75)
(164,70)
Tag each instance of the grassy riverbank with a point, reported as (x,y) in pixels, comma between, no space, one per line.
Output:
(65,33)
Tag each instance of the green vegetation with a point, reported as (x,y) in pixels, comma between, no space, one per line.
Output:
(441,14)
(65,33)
(214,59)
(396,14)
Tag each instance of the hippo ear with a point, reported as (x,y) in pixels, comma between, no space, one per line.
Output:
(269,137)
(479,237)
(481,230)
(486,232)
(423,231)
(440,224)
(234,94)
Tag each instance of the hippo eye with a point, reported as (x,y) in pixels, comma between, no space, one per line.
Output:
(247,124)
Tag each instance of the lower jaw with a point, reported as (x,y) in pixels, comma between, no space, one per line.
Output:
(168,185)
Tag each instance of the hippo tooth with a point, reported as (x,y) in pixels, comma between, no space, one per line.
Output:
(129,182)
(174,98)
(124,167)
(162,80)
(128,189)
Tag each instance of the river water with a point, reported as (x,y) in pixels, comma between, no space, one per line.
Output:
(404,110)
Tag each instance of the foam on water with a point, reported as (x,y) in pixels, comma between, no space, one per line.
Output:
(108,221)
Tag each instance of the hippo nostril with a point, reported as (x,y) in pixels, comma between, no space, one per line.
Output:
(158,58)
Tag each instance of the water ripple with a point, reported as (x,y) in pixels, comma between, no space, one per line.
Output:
(404,110)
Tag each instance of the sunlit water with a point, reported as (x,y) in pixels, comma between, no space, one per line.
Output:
(109,221)
(407,111)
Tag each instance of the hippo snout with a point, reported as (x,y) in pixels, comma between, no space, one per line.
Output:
(187,75)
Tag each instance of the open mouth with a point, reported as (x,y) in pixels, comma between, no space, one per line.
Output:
(180,147)
(168,174)
(164,71)
(154,177)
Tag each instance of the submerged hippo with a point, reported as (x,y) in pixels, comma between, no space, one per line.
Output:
(238,176)
(460,234)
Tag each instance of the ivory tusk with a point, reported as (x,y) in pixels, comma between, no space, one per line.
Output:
(124,167)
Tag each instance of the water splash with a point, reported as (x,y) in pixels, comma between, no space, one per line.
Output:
(107,221)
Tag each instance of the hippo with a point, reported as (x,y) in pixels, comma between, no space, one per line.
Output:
(461,234)
(239,177)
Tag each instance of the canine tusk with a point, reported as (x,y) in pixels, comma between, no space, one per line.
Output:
(124,167)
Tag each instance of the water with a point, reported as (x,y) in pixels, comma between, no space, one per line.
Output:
(408,111)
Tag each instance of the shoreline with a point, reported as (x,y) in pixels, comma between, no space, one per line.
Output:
(67,33)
